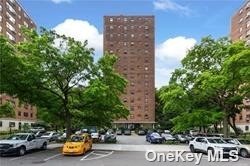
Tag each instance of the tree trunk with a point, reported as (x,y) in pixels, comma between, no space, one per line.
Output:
(68,124)
(216,127)
(225,124)
(233,125)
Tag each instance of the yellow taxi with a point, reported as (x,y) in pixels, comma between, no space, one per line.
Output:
(77,145)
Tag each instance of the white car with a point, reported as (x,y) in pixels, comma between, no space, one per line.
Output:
(242,145)
(215,145)
(20,143)
(50,136)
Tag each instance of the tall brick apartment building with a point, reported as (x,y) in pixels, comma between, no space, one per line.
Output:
(131,38)
(12,18)
(240,30)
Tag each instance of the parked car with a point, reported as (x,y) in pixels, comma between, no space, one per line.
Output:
(181,138)
(21,143)
(95,135)
(110,137)
(189,137)
(154,138)
(39,133)
(168,137)
(35,129)
(242,145)
(193,132)
(61,138)
(206,144)
(141,132)
(119,132)
(127,132)
(77,145)
(50,136)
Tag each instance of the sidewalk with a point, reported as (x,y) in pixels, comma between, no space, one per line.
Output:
(138,148)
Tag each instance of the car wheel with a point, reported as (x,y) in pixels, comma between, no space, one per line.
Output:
(192,149)
(244,153)
(21,151)
(44,147)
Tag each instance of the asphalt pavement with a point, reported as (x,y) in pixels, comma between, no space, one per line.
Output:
(111,155)
(53,157)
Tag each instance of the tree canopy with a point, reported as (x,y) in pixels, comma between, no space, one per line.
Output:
(59,76)
(210,86)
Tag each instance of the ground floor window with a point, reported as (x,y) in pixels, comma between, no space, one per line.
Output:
(246,128)
(12,124)
(1,123)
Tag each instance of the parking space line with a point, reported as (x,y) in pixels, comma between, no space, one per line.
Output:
(87,155)
(98,154)
(99,157)
(49,158)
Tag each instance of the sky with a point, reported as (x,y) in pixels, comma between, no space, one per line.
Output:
(179,24)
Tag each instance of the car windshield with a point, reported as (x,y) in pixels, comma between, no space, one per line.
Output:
(18,137)
(155,135)
(216,141)
(76,138)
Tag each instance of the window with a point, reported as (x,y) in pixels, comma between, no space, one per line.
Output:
(125,19)
(241,10)
(25,24)
(11,18)
(19,113)
(25,114)
(12,10)
(132,108)
(1,18)
(248,23)
(1,123)
(146,116)
(12,124)
(240,29)
(31,115)
(132,43)
(131,116)
(146,35)
(146,27)
(132,35)
(125,28)
(25,15)
(111,35)
(246,128)
(146,68)
(0,8)
(111,27)
(10,36)
(240,117)
(241,20)
(111,19)
(10,27)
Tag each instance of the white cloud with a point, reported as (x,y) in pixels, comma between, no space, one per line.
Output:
(170,5)
(81,30)
(175,47)
(60,1)
(168,57)
(162,76)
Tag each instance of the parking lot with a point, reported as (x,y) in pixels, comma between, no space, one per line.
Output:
(102,157)
(53,157)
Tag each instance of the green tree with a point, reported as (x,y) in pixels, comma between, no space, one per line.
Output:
(212,81)
(7,110)
(58,74)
